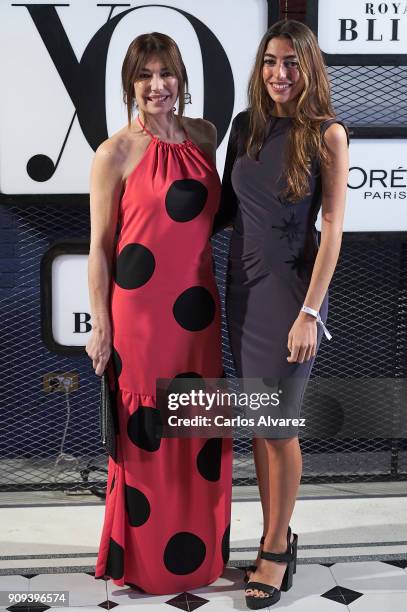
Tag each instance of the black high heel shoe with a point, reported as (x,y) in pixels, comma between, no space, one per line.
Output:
(273,594)
(252,568)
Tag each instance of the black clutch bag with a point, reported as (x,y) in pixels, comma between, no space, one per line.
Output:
(108,417)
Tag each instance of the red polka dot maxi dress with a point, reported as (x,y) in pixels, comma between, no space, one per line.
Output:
(167,516)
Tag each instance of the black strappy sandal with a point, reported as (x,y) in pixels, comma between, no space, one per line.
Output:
(252,568)
(273,594)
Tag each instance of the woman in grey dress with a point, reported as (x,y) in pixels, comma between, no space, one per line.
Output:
(287,157)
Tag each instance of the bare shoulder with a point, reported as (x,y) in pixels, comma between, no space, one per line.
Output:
(114,154)
(336,136)
(115,149)
(201,128)
(203,134)
(111,152)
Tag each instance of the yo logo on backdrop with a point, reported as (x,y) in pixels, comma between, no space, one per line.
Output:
(84,80)
(64,78)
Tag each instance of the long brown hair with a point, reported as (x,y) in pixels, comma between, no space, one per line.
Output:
(314,106)
(140,51)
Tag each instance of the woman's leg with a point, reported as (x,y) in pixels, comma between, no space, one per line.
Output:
(263,477)
(278,468)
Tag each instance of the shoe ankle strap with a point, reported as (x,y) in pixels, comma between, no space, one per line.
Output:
(284,557)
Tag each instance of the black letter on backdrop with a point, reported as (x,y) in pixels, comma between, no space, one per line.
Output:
(82,325)
(345,28)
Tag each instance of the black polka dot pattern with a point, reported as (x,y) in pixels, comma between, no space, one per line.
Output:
(226,545)
(144,428)
(134,266)
(185,199)
(194,309)
(184,553)
(189,375)
(186,382)
(209,459)
(137,506)
(115,560)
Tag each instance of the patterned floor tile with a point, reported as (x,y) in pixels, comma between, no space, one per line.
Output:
(79,609)
(128,597)
(358,587)
(309,581)
(16,583)
(311,603)
(33,607)
(227,593)
(400,563)
(380,602)
(230,581)
(187,602)
(83,589)
(108,604)
(12,583)
(29,576)
(370,577)
(342,595)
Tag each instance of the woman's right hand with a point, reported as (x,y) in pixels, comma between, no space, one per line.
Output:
(99,348)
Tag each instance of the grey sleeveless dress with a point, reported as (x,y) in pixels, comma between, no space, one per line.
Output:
(272,252)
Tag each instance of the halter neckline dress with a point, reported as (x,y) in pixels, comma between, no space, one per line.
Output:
(167,517)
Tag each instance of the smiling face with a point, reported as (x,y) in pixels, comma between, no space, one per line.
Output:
(156,88)
(281,75)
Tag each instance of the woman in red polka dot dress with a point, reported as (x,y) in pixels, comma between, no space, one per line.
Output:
(156,312)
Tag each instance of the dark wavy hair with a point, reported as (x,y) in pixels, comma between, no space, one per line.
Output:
(314,106)
(140,51)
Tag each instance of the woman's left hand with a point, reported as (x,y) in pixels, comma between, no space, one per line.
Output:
(302,339)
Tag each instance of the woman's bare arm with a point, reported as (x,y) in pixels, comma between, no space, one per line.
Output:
(302,336)
(105,193)
(334,184)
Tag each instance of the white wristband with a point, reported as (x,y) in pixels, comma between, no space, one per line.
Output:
(315,313)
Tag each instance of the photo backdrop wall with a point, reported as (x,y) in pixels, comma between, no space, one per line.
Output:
(62,78)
